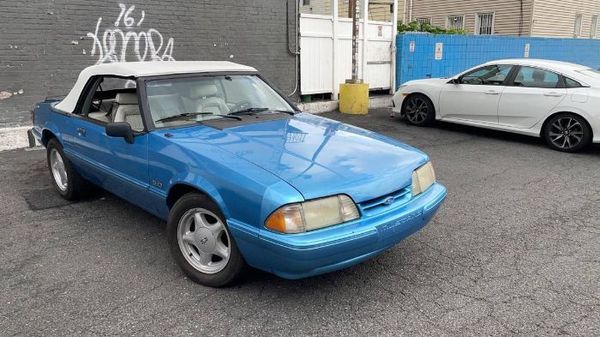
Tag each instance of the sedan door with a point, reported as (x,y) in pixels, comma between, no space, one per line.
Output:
(475,95)
(530,97)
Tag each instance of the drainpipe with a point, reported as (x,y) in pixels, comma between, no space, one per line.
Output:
(295,52)
(410,11)
(393,49)
(334,66)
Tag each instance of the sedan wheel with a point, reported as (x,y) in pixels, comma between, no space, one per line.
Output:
(567,133)
(67,181)
(201,242)
(418,110)
(58,169)
(204,241)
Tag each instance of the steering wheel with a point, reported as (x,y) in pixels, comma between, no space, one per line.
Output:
(97,104)
(245,104)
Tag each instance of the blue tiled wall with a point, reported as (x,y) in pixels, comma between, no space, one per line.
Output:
(461,52)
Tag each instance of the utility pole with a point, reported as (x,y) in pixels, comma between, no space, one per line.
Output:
(354,94)
(354,11)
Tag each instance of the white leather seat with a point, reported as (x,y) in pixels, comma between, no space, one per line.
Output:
(162,106)
(204,98)
(127,110)
(100,116)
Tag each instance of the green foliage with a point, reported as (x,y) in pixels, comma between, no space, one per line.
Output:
(427,28)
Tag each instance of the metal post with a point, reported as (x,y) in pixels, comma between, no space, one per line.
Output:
(355,5)
(365,17)
(334,65)
(394,48)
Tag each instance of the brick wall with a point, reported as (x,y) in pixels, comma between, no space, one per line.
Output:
(45,43)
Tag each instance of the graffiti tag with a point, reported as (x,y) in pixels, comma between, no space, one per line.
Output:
(127,42)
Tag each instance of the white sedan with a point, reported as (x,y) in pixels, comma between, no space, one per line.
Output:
(557,101)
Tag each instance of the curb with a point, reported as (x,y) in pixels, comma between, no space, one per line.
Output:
(327,106)
(14,138)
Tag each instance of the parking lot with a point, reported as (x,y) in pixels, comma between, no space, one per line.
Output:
(514,249)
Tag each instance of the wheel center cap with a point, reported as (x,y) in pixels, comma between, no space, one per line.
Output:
(205,241)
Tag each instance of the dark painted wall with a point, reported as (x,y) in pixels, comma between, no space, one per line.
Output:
(44,44)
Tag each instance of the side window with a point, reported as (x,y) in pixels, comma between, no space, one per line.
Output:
(488,75)
(114,99)
(530,77)
(569,83)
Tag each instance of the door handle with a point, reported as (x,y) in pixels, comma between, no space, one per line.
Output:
(492,92)
(81,131)
(552,94)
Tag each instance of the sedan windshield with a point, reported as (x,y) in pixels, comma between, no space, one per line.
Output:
(189,100)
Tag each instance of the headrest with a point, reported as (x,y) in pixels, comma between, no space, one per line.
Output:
(204,90)
(539,75)
(126,99)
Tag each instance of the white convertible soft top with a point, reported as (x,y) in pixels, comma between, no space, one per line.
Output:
(140,69)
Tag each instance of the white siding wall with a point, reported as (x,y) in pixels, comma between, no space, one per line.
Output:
(509,18)
(557,17)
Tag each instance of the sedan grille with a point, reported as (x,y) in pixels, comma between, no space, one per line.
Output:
(391,200)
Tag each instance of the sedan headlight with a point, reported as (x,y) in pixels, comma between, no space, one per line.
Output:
(422,179)
(313,214)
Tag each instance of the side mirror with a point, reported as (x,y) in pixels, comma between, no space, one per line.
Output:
(455,81)
(120,129)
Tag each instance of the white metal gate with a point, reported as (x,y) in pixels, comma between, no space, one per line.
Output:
(326,52)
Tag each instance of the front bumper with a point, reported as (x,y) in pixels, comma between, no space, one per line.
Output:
(295,256)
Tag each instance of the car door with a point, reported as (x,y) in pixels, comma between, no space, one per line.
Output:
(111,162)
(533,93)
(474,96)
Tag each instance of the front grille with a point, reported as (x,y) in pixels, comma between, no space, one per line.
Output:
(391,200)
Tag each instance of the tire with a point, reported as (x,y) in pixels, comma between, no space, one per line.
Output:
(418,110)
(67,182)
(567,132)
(201,243)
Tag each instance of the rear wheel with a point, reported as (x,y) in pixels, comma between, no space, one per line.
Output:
(201,242)
(418,110)
(567,132)
(65,179)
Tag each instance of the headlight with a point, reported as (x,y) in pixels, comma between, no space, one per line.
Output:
(422,179)
(313,214)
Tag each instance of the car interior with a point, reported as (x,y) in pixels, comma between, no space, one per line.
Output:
(192,96)
(118,103)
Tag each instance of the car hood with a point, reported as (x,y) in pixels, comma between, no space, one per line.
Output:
(317,156)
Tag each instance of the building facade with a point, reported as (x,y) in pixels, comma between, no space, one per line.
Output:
(379,10)
(550,18)
(46,43)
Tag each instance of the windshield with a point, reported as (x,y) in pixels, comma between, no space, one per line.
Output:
(189,100)
(593,73)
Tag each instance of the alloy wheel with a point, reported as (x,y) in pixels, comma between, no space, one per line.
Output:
(59,171)
(417,110)
(566,133)
(204,240)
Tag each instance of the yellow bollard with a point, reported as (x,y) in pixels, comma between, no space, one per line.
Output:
(354,98)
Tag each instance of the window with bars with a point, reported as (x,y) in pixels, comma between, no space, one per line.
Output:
(455,22)
(485,24)
(424,21)
(577,28)
(594,28)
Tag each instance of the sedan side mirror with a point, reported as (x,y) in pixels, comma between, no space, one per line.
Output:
(455,81)
(120,129)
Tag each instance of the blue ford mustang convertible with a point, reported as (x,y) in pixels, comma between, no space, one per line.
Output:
(239,174)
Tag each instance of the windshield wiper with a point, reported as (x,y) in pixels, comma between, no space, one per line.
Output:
(185,115)
(254,111)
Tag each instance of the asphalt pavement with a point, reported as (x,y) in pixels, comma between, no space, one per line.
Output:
(515,249)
